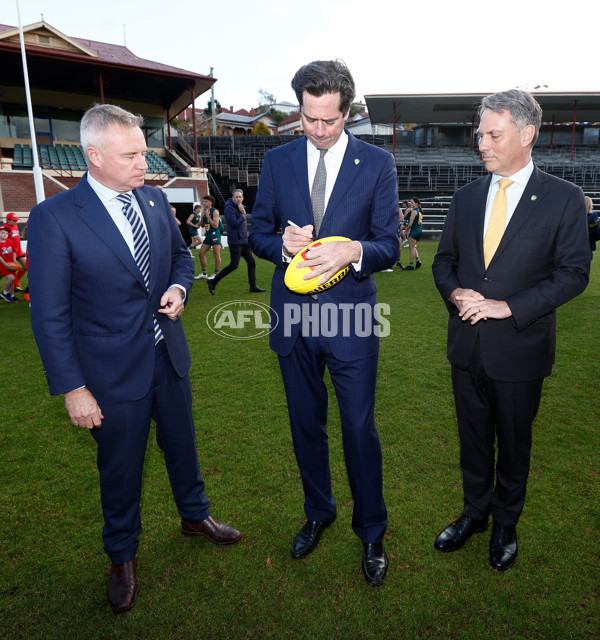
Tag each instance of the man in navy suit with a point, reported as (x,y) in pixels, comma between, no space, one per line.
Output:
(109,283)
(359,198)
(502,284)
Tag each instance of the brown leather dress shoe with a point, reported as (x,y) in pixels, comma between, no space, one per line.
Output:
(217,532)
(122,586)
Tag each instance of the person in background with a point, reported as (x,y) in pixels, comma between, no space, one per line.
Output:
(402,222)
(8,266)
(12,220)
(413,232)
(237,241)
(212,240)
(194,223)
(174,210)
(593,224)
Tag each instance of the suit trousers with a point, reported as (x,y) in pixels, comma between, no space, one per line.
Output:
(122,441)
(487,410)
(237,251)
(307,399)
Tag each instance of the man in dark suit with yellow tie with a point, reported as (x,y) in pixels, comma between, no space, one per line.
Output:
(109,278)
(513,249)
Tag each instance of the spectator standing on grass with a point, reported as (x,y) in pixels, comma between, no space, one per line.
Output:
(109,277)
(402,222)
(15,237)
(174,210)
(194,223)
(593,223)
(237,241)
(413,232)
(8,266)
(513,249)
(212,240)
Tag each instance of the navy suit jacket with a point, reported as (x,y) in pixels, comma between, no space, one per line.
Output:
(237,228)
(542,262)
(363,206)
(91,313)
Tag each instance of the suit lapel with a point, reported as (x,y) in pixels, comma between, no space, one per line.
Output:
(94,214)
(299,170)
(480,194)
(530,200)
(349,170)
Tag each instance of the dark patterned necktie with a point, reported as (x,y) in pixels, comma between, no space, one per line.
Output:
(317,194)
(141,248)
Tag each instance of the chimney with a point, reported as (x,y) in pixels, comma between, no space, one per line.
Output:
(231,108)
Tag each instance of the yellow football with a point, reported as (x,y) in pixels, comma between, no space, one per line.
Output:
(294,276)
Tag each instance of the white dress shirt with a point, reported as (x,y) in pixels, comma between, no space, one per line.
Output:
(108,197)
(513,193)
(333,161)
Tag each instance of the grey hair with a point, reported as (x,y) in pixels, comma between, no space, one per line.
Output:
(99,117)
(524,109)
(325,76)
(237,191)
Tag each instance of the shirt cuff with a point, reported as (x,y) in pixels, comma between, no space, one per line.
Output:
(182,288)
(357,266)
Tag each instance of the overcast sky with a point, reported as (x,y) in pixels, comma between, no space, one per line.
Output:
(389,46)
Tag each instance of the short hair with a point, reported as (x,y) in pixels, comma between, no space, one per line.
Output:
(325,76)
(524,109)
(237,191)
(99,117)
(589,203)
(209,197)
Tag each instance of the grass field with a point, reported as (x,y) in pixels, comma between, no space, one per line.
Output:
(53,572)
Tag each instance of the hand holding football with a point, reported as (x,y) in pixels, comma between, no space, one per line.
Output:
(294,276)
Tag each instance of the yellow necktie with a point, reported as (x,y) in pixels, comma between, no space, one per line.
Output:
(497,222)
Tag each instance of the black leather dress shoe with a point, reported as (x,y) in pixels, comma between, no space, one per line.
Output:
(211,285)
(374,563)
(503,546)
(122,586)
(256,289)
(217,532)
(454,536)
(308,538)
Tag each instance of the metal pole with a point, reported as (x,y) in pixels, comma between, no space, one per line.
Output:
(193,96)
(212,104)
(38,178)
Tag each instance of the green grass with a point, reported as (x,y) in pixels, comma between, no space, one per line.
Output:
(54,572)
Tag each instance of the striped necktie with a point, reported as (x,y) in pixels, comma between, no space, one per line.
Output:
(496,223)
(141,248)
(317,194)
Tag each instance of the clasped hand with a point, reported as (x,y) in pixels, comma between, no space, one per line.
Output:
(472,306)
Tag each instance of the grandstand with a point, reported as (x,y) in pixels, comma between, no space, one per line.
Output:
(431,173)
(67,75)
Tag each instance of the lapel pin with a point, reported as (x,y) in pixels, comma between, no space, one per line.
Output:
(151,203)
(533,198)
(356,160)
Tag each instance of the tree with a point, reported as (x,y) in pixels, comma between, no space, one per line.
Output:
(208,110)
(266,98)
(278,116)
(260,129)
